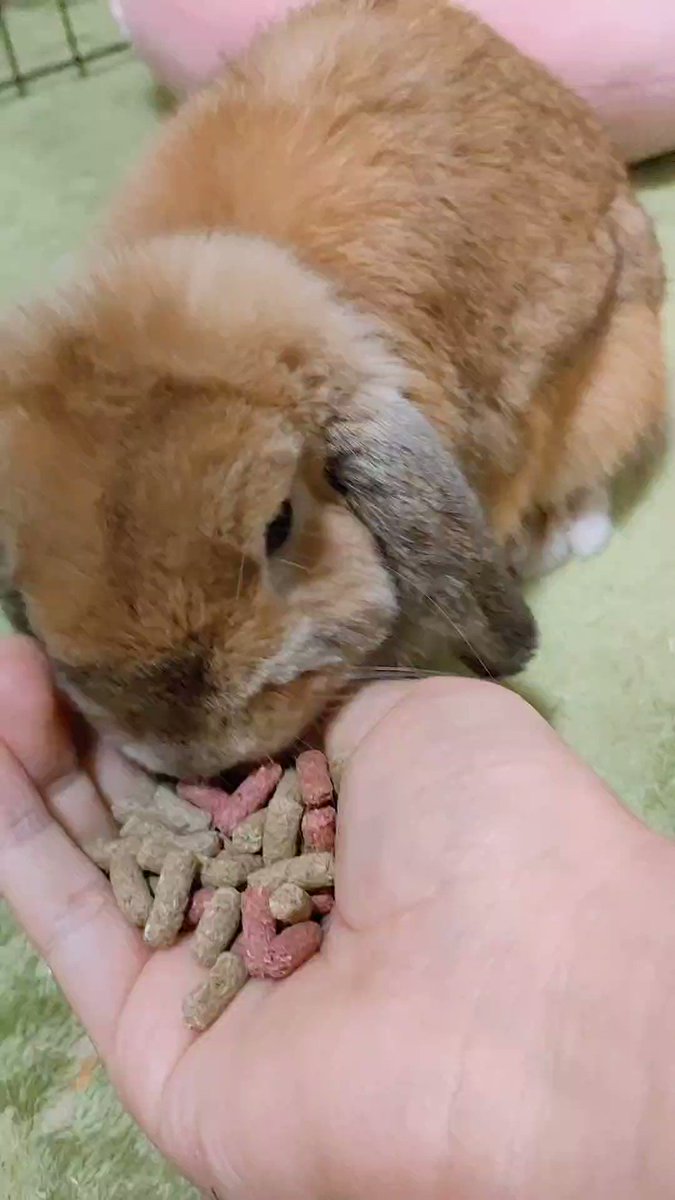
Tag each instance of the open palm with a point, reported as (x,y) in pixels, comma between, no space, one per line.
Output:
(402,1061)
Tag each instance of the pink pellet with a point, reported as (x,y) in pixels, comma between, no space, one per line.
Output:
(251,795)
(291,948)
(258,928)
(316,787)
(203,796)
(322,903)
(198,904)
(227,810)
(269,955)
(255,790)
(318,828)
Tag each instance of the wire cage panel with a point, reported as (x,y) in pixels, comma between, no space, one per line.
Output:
(16,75)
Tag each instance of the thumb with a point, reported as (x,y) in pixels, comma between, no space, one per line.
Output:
(357,719)
(31,724)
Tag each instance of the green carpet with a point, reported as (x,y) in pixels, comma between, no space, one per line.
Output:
(603,675)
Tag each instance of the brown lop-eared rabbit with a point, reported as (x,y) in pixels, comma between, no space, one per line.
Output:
(362,342)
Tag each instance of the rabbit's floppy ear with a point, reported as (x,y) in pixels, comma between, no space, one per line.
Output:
(399,479)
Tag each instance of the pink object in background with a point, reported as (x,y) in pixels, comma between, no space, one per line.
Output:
(618,54)
(184,42)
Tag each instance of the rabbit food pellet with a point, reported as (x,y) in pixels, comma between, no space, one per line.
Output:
(172,898)
(128,884)
(229,869)
(219,925)
(198,903)
(205,1004)
(282,823)
(247,838)
(205,841)
(178,814)
(318,828)
(229,811)
(248,874)
(268,954)
(313,872)
(322,902)
(291,904)
(316,787)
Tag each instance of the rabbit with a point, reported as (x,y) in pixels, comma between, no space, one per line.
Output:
(360,344)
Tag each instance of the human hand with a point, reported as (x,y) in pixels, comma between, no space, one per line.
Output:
(485,1018)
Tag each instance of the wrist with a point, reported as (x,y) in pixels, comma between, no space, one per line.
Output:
(611,1072)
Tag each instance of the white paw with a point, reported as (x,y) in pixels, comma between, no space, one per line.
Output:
(579,534)
(590,532)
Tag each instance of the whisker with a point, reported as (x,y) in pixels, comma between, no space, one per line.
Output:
(305,744)
(289,562)
(241,576)
(462,635)
(433,603)
(399,673)
(411,676)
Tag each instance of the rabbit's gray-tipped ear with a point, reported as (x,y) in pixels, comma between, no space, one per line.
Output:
(398,478)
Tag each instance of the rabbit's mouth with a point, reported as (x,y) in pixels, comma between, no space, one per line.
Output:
(311,737)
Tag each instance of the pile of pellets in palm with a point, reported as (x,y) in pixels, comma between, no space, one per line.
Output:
(248,875)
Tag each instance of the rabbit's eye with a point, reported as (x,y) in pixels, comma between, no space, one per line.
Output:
(279,530)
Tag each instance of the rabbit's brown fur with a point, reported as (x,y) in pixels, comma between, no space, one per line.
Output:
(386,241)
(458,192)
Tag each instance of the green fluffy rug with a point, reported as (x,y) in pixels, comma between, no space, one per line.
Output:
(603,676)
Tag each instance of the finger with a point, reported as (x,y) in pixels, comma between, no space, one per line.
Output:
(65,905)
(354,722)
(31,723)
(34,728)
